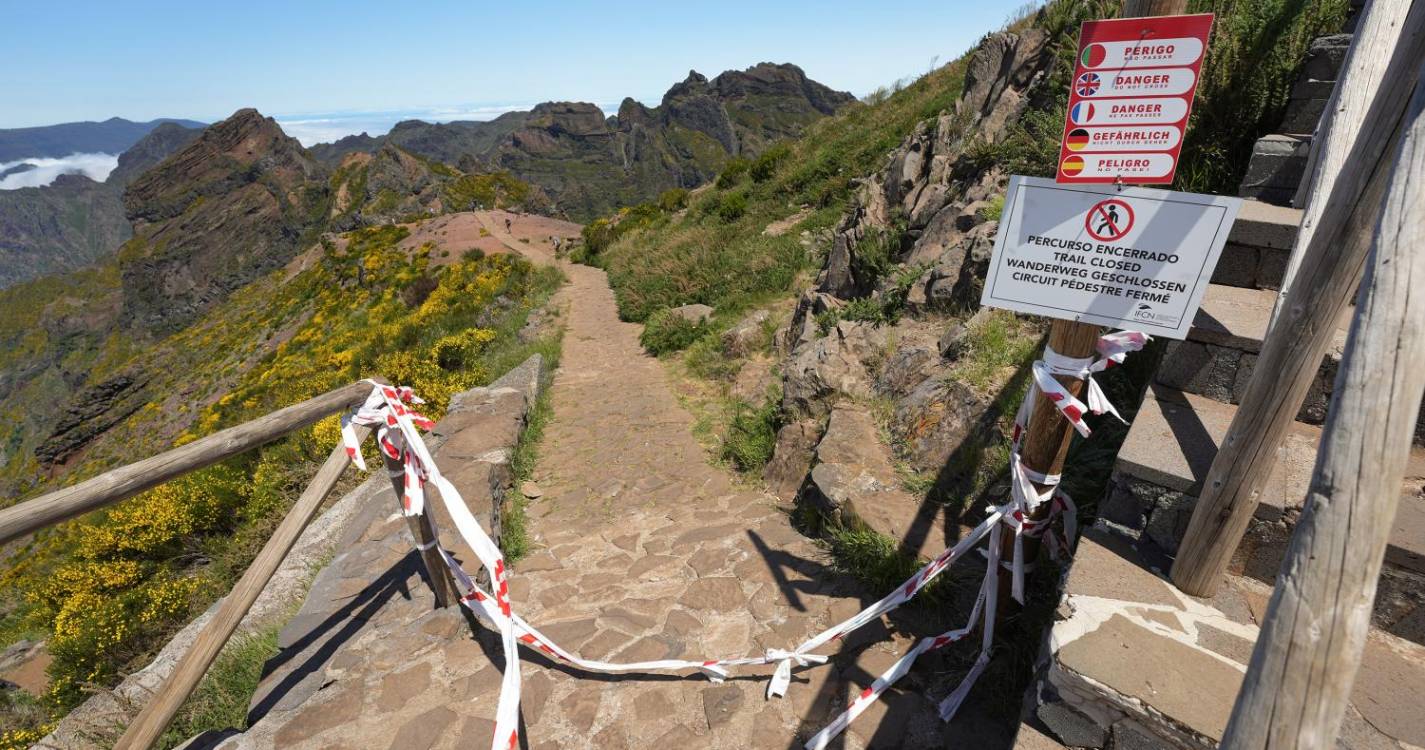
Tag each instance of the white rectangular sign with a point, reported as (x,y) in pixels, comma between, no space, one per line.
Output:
(1129,257)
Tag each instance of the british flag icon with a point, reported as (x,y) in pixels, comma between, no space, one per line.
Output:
(1087,84)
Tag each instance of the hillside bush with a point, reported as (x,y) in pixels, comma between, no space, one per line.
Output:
(752,433)
(667,332)
(733,172)
(108,589)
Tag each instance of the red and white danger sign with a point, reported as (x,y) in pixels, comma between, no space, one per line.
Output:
(1130,99)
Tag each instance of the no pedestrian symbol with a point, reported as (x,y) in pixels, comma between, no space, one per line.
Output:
(1109,221)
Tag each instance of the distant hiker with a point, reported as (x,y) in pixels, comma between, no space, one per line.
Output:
(507,224)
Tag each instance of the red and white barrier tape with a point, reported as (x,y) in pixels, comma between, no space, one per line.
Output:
(399,439)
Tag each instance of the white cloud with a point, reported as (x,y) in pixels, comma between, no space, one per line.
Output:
(96,166)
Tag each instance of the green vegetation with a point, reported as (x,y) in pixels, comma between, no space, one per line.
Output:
(514,534)
(222,698)
(752,433)
(496,190)
(110,588)
(668,332)
(994,341)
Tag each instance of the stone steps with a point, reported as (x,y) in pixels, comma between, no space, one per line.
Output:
(1147,666)
(1159,474)
(1258,246)
(1220,353)
(1218,356)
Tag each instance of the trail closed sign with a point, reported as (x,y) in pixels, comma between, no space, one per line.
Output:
(1132,258)
(1130,98)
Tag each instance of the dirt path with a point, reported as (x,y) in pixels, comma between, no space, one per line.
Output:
(650,552)
(643,550)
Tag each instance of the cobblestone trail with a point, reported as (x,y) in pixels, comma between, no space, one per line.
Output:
(643,550)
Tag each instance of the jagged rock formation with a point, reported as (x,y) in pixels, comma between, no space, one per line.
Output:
(235,203)
(591,164)
(929,210)
(74,220)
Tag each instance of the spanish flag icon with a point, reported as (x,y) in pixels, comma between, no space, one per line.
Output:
(1077,140)
(1072,166)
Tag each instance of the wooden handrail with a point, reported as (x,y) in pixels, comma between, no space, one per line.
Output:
(1333,262)
(155,717)
(127,481)
(1298,685)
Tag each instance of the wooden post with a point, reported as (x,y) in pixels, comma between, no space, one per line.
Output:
(1375,40)
(441,583)
(1330,271)
(113,486)
(1299,681)
(1048,434)
(156,716)
(1140,8)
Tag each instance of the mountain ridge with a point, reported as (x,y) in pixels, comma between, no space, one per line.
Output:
(110,136)
(590,163)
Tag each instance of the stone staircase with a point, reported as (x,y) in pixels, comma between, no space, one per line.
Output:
(1131,662)
(1279,160)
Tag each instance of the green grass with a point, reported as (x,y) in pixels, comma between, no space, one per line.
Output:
(992,343)
(667,332)
(514,534)
(752,433)
(222,698)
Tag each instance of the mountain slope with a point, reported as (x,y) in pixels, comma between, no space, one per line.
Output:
(235,203)
(590,164)
(75,220)
(111,136)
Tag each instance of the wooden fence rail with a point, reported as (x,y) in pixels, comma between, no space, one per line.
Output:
(127,481)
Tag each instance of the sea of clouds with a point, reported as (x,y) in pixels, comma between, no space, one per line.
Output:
(325,127)
(96,166)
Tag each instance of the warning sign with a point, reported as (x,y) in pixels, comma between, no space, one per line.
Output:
(1132,258)
(1130,99)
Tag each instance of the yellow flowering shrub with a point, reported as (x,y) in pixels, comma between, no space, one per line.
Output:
(112,586)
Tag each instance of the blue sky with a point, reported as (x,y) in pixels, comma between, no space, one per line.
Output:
(69,61)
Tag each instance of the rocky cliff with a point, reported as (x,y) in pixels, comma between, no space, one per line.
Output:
(231,205)
(591,164)
(74,220)
(917,239)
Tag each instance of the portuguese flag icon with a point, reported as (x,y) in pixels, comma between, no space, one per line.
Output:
(1077,140)
(1072,166)
(1093,56)
(1082,112)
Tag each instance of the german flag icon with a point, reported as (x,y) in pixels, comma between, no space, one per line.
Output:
(1077,140)
(1072,166)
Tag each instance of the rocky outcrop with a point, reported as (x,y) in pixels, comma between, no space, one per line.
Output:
(161,142)
(232,205)
(931,214)
(89,415)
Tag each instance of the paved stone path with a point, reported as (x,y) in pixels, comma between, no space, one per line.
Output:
(643,551)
